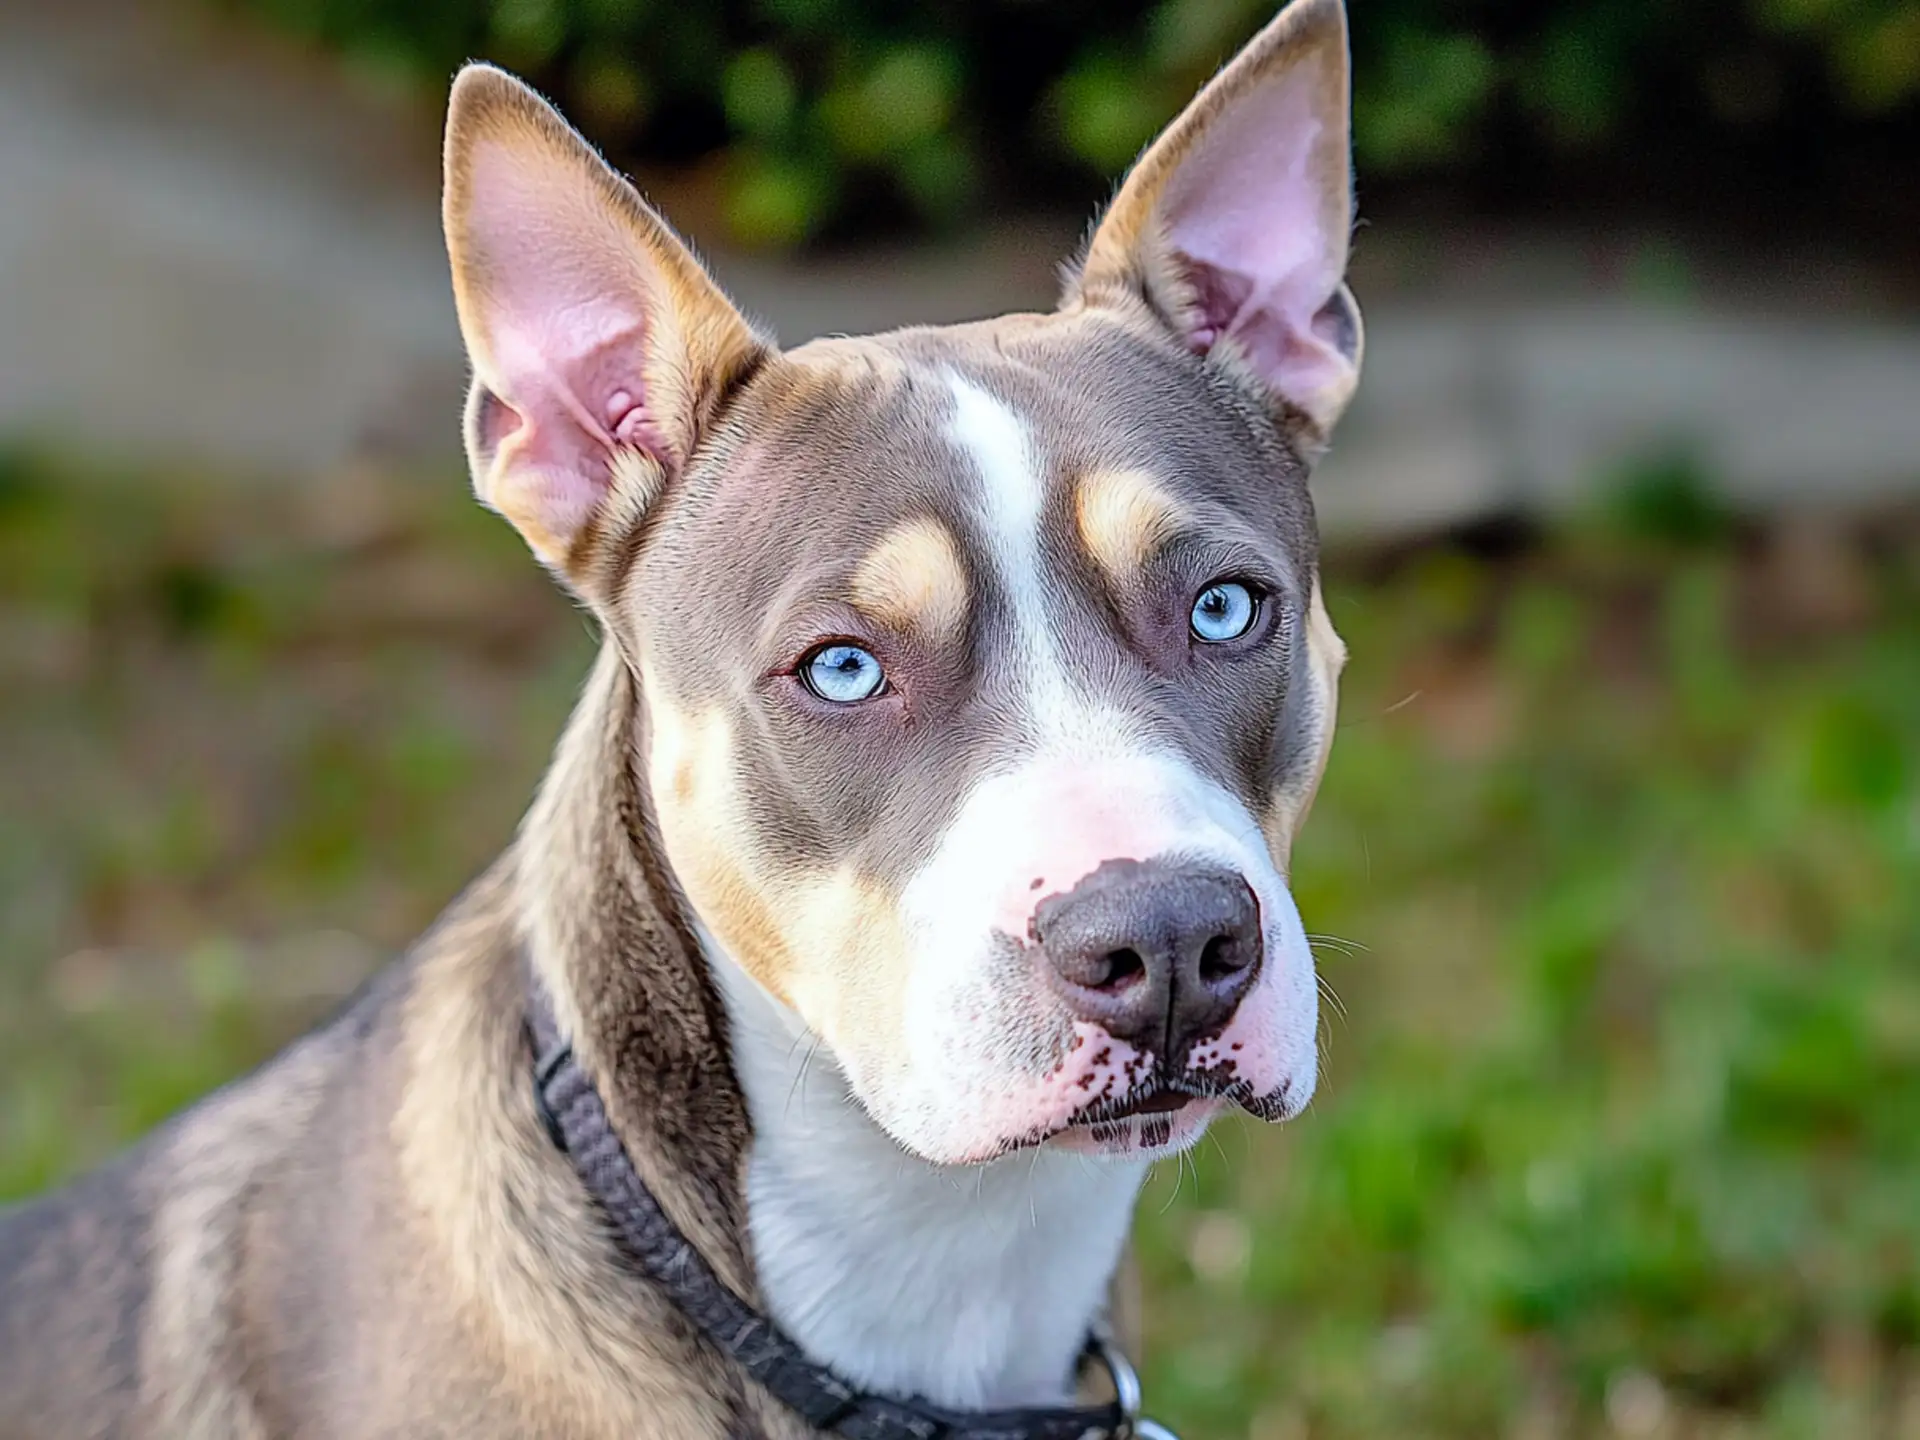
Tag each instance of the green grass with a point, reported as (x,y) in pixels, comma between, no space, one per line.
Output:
(1619,1129)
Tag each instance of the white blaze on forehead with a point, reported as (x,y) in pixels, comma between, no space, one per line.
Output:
(1013,497)
(1016,491)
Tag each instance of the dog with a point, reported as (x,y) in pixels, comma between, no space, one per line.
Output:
(910,876)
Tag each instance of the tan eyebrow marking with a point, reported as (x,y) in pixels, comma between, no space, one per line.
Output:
(1124,516)
(914,578)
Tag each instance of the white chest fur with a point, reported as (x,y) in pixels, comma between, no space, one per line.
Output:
(971,1287)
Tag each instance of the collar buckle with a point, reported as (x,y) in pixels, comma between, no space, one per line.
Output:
(1126,1392)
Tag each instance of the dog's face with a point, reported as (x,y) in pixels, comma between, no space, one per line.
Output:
(985,671)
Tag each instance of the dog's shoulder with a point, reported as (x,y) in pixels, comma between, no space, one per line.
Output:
(74,1277)
(121,1295)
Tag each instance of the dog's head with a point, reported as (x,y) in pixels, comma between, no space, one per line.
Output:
(985,670)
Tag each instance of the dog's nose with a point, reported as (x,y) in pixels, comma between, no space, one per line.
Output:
(1159,953)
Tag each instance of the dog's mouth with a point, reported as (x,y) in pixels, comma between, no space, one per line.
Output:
(1166,1094)
(1163,1100)
(1157,1115)
(1153,1115)
(1155,1118)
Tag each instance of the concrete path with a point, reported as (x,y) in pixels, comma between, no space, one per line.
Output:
(217,250)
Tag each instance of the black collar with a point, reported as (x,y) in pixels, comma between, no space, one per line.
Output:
(577,1120)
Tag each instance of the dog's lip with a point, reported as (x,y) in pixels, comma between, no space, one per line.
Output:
(1181,1096)
(1158,1098)
(1164,1118)
(1158,1101)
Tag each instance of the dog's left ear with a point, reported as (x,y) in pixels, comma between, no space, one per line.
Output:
(1233,226)
(600,347)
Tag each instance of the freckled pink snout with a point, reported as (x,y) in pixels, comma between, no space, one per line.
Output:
(1159,953)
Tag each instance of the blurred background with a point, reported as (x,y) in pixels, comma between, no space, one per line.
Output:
(1616,871)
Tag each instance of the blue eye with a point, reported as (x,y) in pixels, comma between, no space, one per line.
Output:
(1225,610)
(843,674)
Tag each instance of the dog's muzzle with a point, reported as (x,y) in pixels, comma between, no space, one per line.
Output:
(1158,953)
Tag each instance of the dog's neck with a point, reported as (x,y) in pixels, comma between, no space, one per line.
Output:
(610,942)
(973,1287)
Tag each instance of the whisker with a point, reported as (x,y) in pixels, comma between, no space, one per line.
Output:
(1340,943)
(1179,1177)
(1332,998)
(799,1085)
(1213,1139)
(1356,721)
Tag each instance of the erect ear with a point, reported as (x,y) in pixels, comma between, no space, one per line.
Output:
(1234,223)
(599,345)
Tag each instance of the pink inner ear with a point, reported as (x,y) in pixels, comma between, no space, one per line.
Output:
(1258,213)
(561,297)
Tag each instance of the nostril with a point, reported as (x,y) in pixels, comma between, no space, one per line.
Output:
(1157,953)
(1222,958)
(1118,969)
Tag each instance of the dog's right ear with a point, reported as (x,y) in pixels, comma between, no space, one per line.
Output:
(599,345)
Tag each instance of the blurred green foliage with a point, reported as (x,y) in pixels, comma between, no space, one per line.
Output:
(819,108)
(1615,874)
